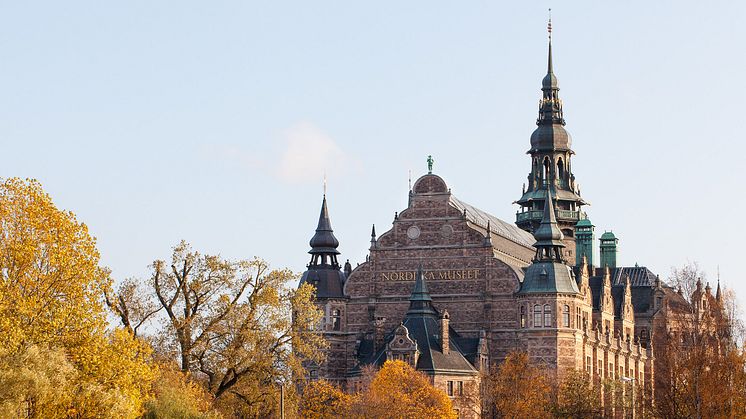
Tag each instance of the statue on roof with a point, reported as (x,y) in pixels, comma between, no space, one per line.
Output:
(430,162)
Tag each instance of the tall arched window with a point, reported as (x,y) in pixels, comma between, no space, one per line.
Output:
(523,316)
(546,169)
(560,169)
(537,316)
(336,323)
(547,316)
(566,316)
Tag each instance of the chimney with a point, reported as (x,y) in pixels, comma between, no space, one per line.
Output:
(445,342)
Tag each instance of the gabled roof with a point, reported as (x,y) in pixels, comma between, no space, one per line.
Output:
(424,330)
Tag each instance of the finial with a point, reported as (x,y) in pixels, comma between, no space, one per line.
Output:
(430,162)
(410,179)
(324,183)
(373,231)
(549,25)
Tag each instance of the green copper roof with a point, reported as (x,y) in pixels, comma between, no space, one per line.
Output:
(584,223)
(549,278)
(608,236)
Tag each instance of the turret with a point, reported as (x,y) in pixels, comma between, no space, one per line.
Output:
(323,270)
(609,249)
(584,242)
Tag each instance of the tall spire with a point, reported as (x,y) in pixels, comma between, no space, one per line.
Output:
(323,243)
(550,106)
(549,31)
(420,301)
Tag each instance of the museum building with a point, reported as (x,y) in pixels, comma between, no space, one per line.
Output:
(452,290)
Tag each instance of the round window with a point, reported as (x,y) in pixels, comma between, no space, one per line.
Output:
(413,232)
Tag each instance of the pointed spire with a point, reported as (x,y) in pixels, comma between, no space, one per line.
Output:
(373,237)
(324,242)
(550,106)
(549,30)
(718,295)
(548,234)
(420,301)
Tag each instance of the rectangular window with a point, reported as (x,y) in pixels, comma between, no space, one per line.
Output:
(450,389)
(547,316)
(537,316)
(460,388)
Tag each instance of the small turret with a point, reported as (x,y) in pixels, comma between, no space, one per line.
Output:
(324,271)
(609,250)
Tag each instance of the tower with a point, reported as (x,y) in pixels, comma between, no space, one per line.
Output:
(584,242)
(550,293)
(551,166)
(609,244)
(324,273)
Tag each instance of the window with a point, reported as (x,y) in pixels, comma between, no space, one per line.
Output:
(460,388)
(547,316)
(336,324)
(588,364)
(537,316)
(450,389)
(523,316)
(566,316)
(577,318)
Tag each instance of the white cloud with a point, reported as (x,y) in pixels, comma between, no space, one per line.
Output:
(309,153)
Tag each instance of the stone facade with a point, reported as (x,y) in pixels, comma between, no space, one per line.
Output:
(505,287)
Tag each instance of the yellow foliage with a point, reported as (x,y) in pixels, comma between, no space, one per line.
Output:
(323,400)
(518,389)
(399,391)
(50,297)
(178,396)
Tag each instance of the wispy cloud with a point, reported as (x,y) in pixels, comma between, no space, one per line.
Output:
(303,154)
(309,153)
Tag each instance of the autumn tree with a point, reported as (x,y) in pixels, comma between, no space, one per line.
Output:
(230,323)
(323,400)
(52,316)
(576,396)
(699,369)
(518,389)
(399,391)
(178,395)
(131,304)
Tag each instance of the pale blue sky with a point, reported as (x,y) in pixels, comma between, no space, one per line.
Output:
(214,121)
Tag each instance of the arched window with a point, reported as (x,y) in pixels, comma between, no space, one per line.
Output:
(537,316)
(566,316)
(560,169)
(546,169)
(523,316)
(547,316)
(336,323)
